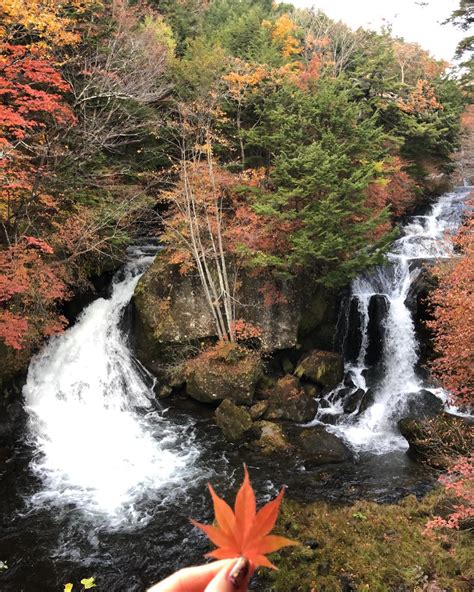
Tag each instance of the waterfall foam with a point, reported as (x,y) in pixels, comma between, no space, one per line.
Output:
(423,238)
(101,443)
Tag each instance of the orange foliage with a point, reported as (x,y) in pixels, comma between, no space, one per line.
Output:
(245,532)
(422,98)
(30,287)
(245,330)
(453,323)
(395,189)
(459,482)
(243,77)
(46,22)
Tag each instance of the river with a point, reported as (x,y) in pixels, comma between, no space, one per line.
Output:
(106,478)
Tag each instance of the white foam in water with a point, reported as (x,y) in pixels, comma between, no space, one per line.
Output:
(424,237)
(100,445)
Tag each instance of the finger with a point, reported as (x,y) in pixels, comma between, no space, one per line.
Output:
(192,579)
(233,578)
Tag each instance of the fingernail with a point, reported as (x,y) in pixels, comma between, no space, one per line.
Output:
(239,572)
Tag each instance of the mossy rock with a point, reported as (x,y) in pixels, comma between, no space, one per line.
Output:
(321,447)
(439,440)
(272,438)
(211,377)
(288,400)
(325,368)
(234,421)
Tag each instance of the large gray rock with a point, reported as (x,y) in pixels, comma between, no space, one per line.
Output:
(288,400)
(322,367)
(422,405)
(234,421)
(171,312)
(233,376)
(320,447)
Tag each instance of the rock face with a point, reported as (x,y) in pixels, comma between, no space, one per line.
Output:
(234,421)
(272,438)
(378,308)
(322,367)
(320,447)
(233,375)
(171,313)
(288,400)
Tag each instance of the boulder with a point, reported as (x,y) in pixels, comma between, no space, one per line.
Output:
(224,372)
(422,405)
(234,421)
(288,400)
(367,401)
(353,401)
(272,438)
(257,410)
(322,367)
(321,447)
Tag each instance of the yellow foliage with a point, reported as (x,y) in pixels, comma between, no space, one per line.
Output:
(68,587)
(283,34)
(47,20)
(243,77)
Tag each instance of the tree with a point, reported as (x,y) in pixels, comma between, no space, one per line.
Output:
(321,160)
(453,320)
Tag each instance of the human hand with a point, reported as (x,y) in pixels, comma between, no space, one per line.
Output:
(228,575)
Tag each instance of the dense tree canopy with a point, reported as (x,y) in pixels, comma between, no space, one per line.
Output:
(310,140)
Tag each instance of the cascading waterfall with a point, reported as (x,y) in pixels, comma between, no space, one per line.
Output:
(372,426)
(101,443)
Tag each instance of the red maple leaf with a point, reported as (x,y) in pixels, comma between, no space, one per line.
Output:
(244,531)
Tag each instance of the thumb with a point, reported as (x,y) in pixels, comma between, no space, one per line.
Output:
(233,578)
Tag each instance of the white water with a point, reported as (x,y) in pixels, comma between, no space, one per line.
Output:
(101,445)
(424,238)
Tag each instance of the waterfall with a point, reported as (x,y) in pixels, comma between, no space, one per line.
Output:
(395,383)
(102,444)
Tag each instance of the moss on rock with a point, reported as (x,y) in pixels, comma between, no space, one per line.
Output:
(322,367)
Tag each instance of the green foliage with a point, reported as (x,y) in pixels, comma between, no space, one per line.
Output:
(323,158)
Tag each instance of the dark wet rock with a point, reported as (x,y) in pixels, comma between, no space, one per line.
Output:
(288,400)
(353,338)
(321,447)
(211,378)
(329,418)
(271,438)
(234,421)
(348,381)
(353,401)
(257,410)
(367,401)
(287,365)
(378,308)
(322,367)
(437,441)
(422,405)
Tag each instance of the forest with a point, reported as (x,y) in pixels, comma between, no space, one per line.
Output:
(271,156)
